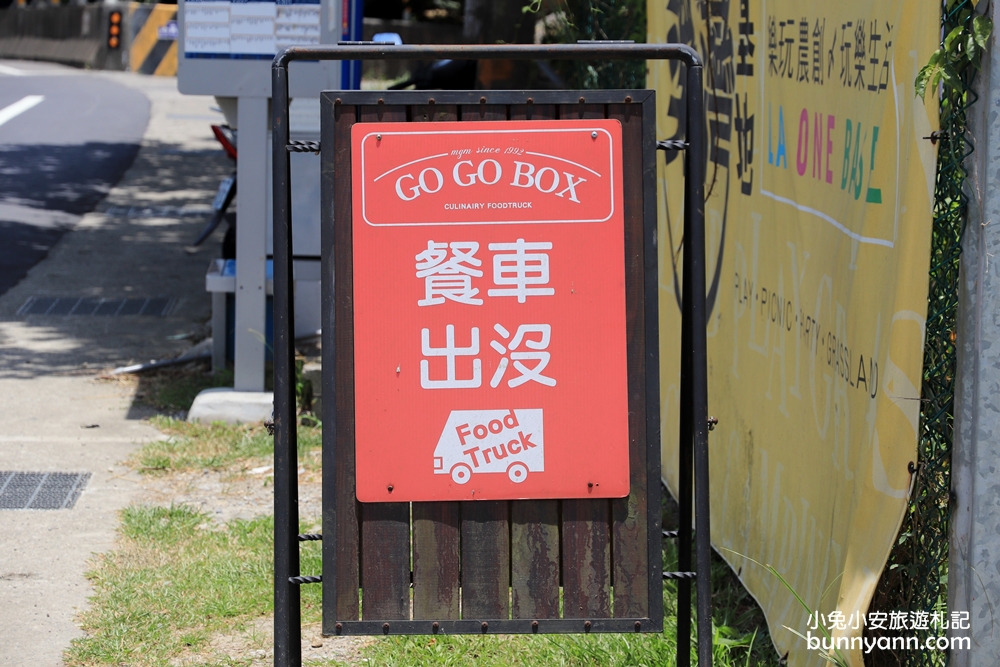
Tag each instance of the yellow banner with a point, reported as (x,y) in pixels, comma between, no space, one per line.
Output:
(819,183)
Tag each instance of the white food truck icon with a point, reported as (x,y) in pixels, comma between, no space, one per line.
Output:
(498,441)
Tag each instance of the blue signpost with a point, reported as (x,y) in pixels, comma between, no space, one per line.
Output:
(352,22)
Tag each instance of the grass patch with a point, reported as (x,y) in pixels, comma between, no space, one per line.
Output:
(174,582)
(215,446)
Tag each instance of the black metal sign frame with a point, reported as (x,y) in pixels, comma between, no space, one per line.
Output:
(694,424)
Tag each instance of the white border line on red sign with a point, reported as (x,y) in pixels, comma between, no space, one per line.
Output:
(364,213)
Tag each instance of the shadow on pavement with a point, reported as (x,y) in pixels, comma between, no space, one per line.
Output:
(36,179)
(133,246)
(73,179)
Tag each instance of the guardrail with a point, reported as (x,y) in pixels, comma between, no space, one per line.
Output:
(141,37)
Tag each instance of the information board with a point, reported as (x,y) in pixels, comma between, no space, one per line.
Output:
(226,48)
(489,311)
(256,29)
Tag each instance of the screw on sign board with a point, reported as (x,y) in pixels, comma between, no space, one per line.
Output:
(489,311)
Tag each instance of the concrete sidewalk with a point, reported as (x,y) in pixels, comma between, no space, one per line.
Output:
(57,415)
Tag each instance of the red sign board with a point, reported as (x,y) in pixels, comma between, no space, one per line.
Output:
(489,311)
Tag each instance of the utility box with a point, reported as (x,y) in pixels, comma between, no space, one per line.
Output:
(225,49)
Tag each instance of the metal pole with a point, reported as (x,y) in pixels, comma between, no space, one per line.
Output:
(588,51)
(287,611)
(694,274)
(685,433)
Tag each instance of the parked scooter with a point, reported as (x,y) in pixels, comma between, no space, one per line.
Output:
(223,197)
(440,74)
(437,75)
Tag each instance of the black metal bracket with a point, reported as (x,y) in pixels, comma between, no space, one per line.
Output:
(694,390)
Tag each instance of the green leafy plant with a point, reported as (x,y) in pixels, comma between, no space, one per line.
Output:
(566,21)
(836,658)
(962,48)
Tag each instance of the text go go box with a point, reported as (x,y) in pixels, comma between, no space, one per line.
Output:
(489,311)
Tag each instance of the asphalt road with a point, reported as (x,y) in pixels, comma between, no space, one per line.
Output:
(66,137)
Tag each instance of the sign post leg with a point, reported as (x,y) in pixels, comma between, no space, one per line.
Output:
(287,612)
(694,276)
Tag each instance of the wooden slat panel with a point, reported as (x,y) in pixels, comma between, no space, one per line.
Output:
(436,526)
(385,528)
(586,531)
(629,527)
(346,537)
(485,525)
(534,524)
(494,540)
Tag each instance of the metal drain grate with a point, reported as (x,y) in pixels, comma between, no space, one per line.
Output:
(40,490)
(74,305)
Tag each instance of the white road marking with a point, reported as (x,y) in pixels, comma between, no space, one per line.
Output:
(19,107)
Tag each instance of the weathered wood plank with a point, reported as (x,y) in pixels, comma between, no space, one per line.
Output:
(485,560)
(534,524)
(586,531)
(532,111)
(436,560)
(338,442)
(429,113)
(586,557)
(485,524)
(436,526)
(581,111)
(328,184)
(385,560)
(483,111)
(629,527)
(534,559)
(385,527)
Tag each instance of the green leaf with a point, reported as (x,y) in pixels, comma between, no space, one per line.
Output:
(924,76)
(982,28)
(949,41)
(950,76)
